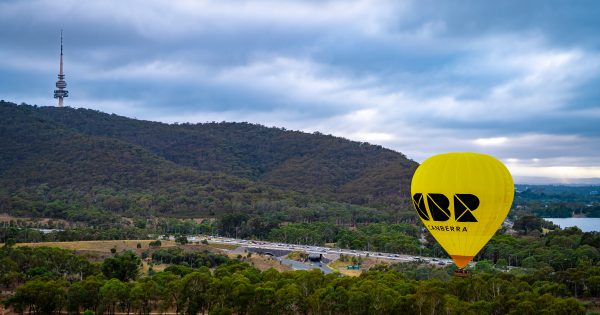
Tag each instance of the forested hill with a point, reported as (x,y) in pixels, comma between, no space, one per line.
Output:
(80,151)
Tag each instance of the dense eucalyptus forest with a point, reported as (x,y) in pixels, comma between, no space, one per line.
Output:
(48,281)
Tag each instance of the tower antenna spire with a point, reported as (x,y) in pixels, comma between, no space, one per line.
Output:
(61,85)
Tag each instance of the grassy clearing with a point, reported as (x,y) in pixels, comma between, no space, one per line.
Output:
(100,246)
(223,246)
(298,256)
(261,262)
(156,267)
(340,266)
(366,263)
(266,262)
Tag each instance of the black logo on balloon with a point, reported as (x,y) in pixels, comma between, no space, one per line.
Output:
(439,207)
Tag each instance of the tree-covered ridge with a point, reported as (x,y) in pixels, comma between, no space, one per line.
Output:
(67,163)
(296,160)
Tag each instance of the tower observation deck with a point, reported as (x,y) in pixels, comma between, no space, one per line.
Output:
(61,84)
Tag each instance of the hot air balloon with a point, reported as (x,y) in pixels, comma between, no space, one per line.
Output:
(462,199)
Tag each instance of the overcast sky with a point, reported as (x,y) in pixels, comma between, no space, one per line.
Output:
(519,80)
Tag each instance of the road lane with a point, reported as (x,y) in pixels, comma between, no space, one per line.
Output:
(320,250)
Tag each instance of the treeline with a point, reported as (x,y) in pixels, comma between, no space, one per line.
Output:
(553,201)
(236,287)
(564,209)
(208,197)
(29,235)
(557,250)
(178,256)
(375,236)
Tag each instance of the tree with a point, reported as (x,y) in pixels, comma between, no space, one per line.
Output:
(10,243)
(144,295)
(40,296)
(124,266)
(358,302)
(220,311)
(182,240)
(528,223)
(289,299)
(85,294)
(502,263)
(529,262)
(8,272)
(484,266)
(195,287)
(114,294)
(429,296)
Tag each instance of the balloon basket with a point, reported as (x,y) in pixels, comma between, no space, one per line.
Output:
(462,273)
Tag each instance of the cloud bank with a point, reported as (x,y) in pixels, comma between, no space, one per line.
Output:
(512,79)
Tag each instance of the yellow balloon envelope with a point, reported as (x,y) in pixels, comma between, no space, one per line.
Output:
(462,198)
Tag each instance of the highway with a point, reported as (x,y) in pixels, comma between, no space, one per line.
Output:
(327,252)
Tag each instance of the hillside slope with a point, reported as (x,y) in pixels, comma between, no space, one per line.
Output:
(65,147)
(316,163)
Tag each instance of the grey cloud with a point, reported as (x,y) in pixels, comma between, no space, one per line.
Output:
(420,77)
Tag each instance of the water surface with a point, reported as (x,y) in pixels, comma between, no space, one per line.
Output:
(585,224)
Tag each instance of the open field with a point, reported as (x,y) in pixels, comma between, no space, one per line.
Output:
(340,266)
(100,246)
(367,263)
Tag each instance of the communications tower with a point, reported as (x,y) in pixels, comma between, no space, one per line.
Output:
(61,85)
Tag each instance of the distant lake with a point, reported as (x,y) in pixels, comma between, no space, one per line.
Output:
(585,224)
